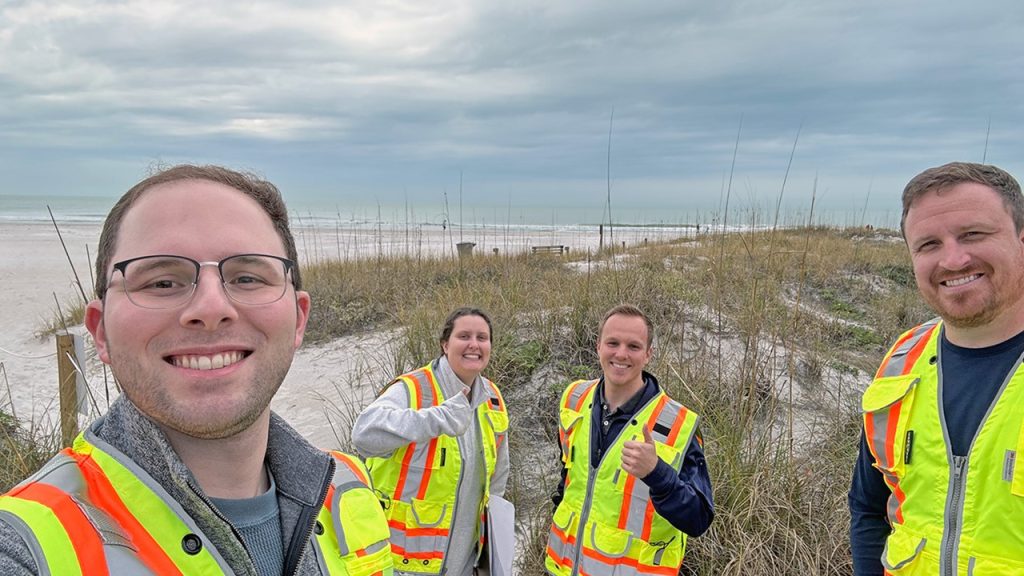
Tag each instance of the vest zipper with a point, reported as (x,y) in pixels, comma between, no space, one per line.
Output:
(312,514)
(953,511)
(592,476)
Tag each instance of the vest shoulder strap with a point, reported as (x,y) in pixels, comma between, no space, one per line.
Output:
(905,352)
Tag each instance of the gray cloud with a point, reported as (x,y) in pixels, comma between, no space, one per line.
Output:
(391,100)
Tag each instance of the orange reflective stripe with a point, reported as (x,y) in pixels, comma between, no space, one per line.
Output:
(435,392)
(648,521)
(416,402)
(351,466)
(409,450)
(418,531)
(627,490)
(501,401)
(680,420)
(579,403)
(82,534)
(103,494)
(890,433)
(869,434)
(568,393)
(916,351)
(627,495)
(885,361)
(558,559)
(900,497)
(631,562)
(399,551)
(427,468)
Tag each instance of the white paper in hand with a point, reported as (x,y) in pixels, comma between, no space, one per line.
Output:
(501,531)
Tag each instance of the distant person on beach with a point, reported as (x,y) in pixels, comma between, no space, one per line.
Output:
(198,312)
(937,488)
(634,480)
(437,448)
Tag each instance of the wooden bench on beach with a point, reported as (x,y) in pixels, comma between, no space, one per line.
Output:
(554,249)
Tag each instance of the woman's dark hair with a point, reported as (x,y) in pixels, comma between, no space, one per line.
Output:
(449,323)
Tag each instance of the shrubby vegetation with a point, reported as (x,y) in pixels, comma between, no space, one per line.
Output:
(769,335)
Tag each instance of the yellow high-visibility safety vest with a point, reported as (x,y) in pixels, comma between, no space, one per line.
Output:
(950,515)
(87,513)
(417,484)
(606,524)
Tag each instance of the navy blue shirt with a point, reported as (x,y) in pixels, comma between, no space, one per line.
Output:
(684,499)
(971,379)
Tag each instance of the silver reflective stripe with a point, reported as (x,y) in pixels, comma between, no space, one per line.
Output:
(638,508)
(414,473)
(898,359)
(905,561)
(109,530)
(26,533)
(339,491)
(421,450)
(417,544)
(165,498)
(877,440)
(578,392)
(892,505)
(62,471)
(666,420)
(594,567)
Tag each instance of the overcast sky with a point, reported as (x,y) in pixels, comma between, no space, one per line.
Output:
(389,101)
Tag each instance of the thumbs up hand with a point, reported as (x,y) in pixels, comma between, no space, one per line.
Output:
(640,458)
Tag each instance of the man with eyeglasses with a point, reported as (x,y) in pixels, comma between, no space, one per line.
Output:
(198,312)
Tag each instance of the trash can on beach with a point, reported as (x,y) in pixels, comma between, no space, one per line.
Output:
(465,249)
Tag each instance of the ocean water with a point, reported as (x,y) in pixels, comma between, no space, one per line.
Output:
(318,214)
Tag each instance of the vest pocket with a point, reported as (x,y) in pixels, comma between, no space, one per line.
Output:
(663,553)
(994,566)
(903,551)
(427,514)
(498,420)
(669,454)
(363,519)
(608,540)
(568,424)
(564,525)
(887,404)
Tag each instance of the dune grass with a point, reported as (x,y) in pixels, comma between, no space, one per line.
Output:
(769,335)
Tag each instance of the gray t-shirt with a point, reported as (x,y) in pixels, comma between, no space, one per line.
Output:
(258,520)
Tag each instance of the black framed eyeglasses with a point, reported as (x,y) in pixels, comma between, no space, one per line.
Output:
(165,281)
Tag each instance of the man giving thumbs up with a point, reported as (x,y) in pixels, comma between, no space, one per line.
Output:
(635,483)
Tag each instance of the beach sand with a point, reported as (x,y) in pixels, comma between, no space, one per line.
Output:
(327,385)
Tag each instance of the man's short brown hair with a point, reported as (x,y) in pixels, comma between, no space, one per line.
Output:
(628,310)
(263,192)
(944,177)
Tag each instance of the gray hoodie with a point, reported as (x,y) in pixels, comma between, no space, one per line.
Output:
(301,471)
(388,423)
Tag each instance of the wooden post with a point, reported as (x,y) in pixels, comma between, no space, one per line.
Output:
(68,388)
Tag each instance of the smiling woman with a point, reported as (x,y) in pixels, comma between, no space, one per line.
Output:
(423,438)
